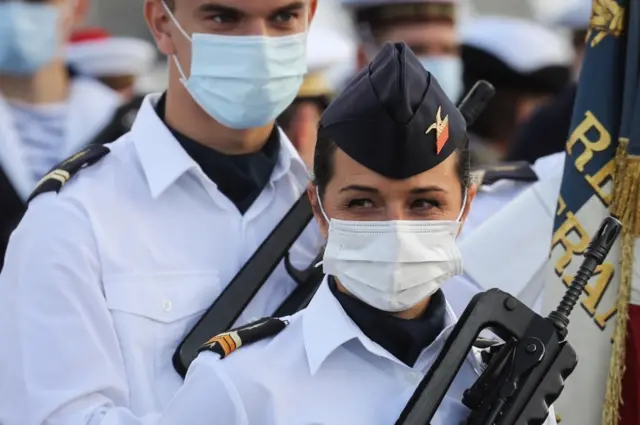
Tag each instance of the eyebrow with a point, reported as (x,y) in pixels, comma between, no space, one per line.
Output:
(219,8)
(369,189)
(291,7)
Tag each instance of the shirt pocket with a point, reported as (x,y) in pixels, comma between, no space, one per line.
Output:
(152,314)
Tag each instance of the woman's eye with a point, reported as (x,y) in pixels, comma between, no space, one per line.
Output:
(360,203)
(425,204)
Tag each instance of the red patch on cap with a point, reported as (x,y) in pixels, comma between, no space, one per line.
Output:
(443,138)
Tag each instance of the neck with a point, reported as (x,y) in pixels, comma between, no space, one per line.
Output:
(410,314)
(49,84)
(184,115)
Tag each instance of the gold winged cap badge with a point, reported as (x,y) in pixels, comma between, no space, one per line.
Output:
(441,126)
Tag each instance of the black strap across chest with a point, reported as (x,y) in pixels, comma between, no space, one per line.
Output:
(11,212)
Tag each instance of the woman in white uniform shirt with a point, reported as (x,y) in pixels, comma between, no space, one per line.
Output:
(391,192)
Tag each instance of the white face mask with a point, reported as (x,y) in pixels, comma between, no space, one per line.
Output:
(392,265)
(244,81)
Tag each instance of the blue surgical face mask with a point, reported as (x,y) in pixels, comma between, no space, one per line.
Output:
(244,81)
(448,72)
(28,36)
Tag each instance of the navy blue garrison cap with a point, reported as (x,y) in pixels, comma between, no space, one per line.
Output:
(393,117)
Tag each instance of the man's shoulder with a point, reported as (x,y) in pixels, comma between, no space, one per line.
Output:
(246,350)
(98,170)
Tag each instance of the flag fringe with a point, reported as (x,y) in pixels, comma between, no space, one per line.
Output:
(625,208)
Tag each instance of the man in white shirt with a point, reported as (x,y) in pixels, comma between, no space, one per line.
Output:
(45,113)
(106,275)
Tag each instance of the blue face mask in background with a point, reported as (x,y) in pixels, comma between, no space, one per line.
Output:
(448,72)
(28,36)
(244,81)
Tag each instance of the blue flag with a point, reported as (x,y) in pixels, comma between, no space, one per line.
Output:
(601,178)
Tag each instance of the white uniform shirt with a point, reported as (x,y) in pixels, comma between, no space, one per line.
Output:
(103,280)
(511,247)
(492,198)
(321,369)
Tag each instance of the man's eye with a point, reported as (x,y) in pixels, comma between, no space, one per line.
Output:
(360,203)
(284,17)
(223,18)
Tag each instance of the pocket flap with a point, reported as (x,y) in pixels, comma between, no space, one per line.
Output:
(164,298)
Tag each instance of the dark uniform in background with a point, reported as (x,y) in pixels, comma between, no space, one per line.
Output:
(546,132)
(528,64)
(10,214)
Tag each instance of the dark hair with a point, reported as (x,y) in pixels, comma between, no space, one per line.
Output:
(323,164)
(170,3)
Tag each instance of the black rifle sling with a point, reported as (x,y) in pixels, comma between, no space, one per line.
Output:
(226,309)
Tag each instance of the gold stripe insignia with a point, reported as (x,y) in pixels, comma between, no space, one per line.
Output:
(59,175)
(228,342)
(63,172)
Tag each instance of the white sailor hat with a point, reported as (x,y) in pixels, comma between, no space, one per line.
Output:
(514,52)
(576,16)
(327,52)
(94,52)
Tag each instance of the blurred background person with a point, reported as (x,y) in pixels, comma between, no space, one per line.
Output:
(46,113)
(546,131)
(526,62)
(428,27)
(326,50)
(117,62)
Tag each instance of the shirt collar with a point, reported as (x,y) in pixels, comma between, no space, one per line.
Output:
(327,327)
(164,161)
(288,159)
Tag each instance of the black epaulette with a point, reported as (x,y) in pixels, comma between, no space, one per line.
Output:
(518,171)
(228,342)
(61,173)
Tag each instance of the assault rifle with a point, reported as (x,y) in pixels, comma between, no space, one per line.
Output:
(226,309)
(526,374)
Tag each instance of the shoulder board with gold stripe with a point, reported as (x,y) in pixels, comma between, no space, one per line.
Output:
(61,173)
(228,342)
(516,171)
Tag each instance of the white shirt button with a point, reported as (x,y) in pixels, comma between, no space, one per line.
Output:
(167,305)
(412,376)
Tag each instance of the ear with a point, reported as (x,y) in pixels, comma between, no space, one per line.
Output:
(472,191)
(80,12)
(293,130)
(159,21)
(312,11)
(317,213)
